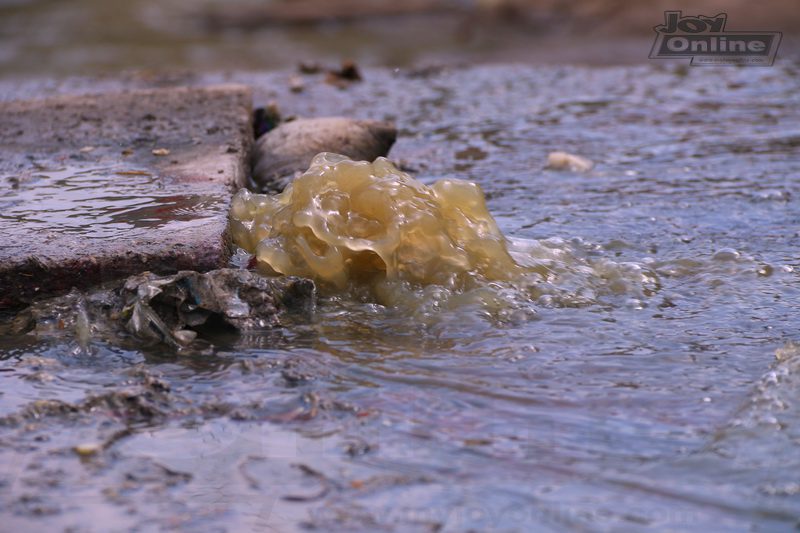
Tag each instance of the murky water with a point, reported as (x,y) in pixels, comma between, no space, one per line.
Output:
(670,404)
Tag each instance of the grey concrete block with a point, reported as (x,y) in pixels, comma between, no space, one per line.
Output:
(94,188)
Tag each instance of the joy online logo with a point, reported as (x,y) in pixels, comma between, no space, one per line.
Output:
(705,40)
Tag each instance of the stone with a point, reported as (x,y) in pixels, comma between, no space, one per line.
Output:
(172,310)
(288,149)
(566,161)
(151,194)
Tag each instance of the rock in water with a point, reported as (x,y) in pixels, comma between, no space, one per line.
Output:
(288,149)
(166,308)
(172,310)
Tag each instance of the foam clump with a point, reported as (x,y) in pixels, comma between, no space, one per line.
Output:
(370,232)
(344,222)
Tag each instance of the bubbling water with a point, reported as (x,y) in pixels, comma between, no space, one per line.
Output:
(371,230)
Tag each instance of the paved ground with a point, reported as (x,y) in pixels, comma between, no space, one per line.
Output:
(153,168)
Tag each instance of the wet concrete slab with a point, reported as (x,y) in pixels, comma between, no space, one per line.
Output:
(99,187)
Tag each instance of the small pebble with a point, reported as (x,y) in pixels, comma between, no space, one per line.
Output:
(87,449)
(765,270)
(565,161)
(185,336)
(309,67)
(296,84)
(342,77)
(160,151)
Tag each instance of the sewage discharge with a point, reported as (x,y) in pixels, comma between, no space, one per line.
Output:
(354,225)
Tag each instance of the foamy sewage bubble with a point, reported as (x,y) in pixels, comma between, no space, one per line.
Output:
(368,228)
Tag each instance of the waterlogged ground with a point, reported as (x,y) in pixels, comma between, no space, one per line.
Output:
(656,385)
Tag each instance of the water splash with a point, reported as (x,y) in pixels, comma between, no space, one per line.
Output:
(373,231)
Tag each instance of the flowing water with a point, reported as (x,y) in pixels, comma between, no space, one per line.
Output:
(653,382)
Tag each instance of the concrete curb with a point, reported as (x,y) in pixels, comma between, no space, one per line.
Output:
(165,160)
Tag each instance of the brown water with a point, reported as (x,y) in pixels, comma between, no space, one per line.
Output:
(653,384)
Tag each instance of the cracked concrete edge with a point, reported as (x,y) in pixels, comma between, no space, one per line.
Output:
(63,265)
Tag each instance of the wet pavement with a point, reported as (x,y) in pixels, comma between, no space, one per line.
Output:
(655,386)
(95,188)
